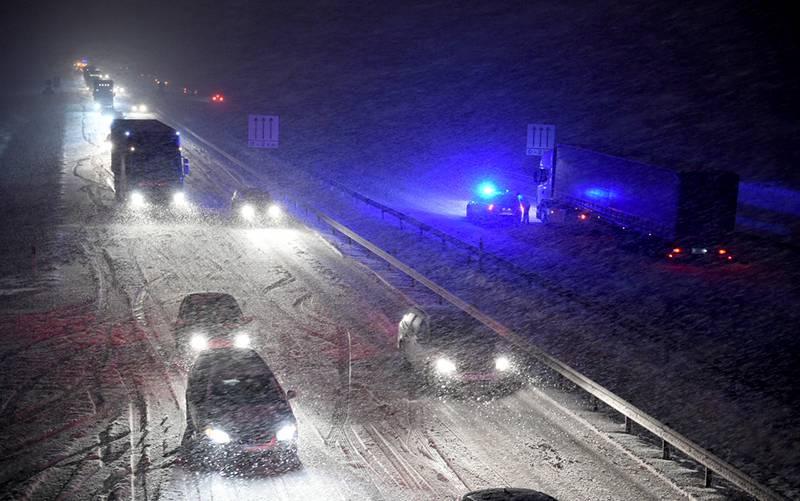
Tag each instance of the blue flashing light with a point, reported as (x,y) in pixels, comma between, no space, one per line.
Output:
(597,193)
(487,189)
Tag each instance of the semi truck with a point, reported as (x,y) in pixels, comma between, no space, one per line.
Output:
(147,165)
(103,93)
(680,213)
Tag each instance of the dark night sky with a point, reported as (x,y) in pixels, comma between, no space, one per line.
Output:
(704,68)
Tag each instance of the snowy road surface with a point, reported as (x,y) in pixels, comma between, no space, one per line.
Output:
(93,389)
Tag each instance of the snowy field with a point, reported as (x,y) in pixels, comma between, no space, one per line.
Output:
(93,389)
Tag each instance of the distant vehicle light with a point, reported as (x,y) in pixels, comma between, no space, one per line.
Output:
(583,217)
(248,212)
(676,250)
(445,367)
(286,433)
(491,207)
(670,256)
(198,342)
(142,108)
(241,340)
(96,106)
(127,133)
(137,199)
(135,108)
(274,211)
(217,436)
(722,252)
(502,364)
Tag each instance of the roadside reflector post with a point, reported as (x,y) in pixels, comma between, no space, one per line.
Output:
(594,403)
(707,477)
(664,449)
(628,423)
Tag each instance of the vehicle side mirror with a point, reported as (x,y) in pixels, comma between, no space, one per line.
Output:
(291,394)
(186,169)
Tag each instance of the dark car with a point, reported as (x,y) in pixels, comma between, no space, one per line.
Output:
(255,205)
(237,413)
(500,207)
(453,352)
(506,494)
(211,320)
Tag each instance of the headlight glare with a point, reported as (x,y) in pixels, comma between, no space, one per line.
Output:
(179,198)
(248,212)
(137,199)
(274,211)
(217,436)
(445,367)
(502,363)
(198,342)
(241,340)
(287,432)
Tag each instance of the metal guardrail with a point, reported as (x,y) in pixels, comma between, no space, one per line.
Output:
(631,413)
(670,438)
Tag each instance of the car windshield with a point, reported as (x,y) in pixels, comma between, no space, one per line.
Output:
(316,203)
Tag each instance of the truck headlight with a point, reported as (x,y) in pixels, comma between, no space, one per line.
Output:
(248,212)
(445,366)
(198,342)
(241,340)
(142,108)
(217,436)
(179,198)
(286,433)
(502,363)
(274,211)
(137,199)
(135,108)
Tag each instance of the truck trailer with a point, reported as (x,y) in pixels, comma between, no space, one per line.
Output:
(687,213)
(147,165)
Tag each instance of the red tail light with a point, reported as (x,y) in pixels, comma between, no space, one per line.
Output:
(676,250)
(722,252)
(583,217)
(491,206)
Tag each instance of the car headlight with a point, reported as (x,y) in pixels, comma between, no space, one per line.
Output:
(445,367)
(96,106)
(198,342)
(217,436)
(179,198)
(502,363)
(248,212)
(137,199)
(286,433)
(241,340)
(274,211)
(135,108)
(142,108)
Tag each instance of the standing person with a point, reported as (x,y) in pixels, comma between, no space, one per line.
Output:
(524,208)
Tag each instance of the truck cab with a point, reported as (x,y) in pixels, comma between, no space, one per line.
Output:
(147,164)
(103,93)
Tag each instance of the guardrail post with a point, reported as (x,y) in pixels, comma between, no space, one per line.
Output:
(383,213)
(594,403)
(707,477)
(628,424)
(401,222)
(664,449)
(480,254)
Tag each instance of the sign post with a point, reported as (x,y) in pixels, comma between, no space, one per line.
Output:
(541,137)
(263,131)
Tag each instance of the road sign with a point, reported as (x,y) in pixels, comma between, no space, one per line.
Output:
(262,131)
(541,137)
